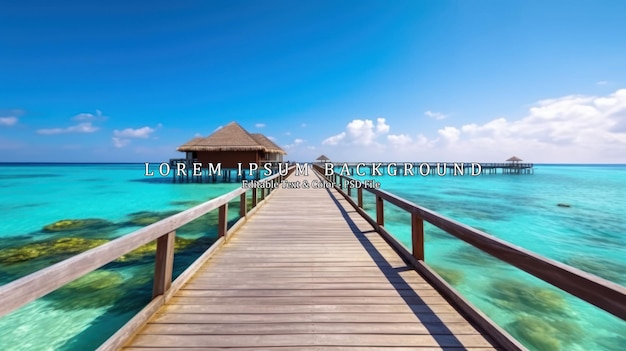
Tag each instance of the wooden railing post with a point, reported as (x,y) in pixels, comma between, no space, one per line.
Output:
(254,197)
(222,220)
(263,193)
(349,189)
(243,205)
(163,265)
(380,213)
(417,236)
(359,194)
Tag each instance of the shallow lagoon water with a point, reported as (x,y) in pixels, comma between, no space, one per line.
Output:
(590,235)
(523,210)
(34,196)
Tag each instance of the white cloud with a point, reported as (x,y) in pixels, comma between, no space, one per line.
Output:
(572,128)
(287,133)
(303,125)
(85,124)
(295,143)
(86,127)
(435,115)
(360,132)
(122,137)
(399,139)
(143,132)
(197,135)
(381,126)
(119,143)
(602,82)
(335,139)
(8,121)
(272,138)
(568,129)
(90,117)
(423,142)
(260,125)
(450,134)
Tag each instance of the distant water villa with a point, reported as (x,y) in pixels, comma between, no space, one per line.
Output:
(513,166)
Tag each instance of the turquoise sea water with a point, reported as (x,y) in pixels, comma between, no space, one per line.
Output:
(84,314)
(590,235)
(522,209)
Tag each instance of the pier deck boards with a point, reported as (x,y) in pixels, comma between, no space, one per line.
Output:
(307,272)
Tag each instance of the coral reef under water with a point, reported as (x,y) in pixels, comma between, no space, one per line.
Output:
(544,334)
(53,247)
(97,289)
(180,243)
(144,218)
(65,225)
(518,296)
(452,276)
(607,269)
(469,255)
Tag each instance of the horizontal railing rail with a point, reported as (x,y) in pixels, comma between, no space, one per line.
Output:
(600,292)
(35,285)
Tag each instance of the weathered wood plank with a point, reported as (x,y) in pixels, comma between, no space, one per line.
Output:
(311,328)
(299,286)
(261,341)
(319,300)
(238,309)
(227,293)
(318,280)
(321,348)
(188,318)
(300,274)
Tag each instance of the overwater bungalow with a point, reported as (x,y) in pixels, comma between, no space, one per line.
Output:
(231,145)
(322,159)
(514,160)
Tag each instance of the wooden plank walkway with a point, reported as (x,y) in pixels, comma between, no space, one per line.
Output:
(307,272)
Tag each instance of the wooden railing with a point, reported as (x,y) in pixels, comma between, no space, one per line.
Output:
(600,292)
(29,288)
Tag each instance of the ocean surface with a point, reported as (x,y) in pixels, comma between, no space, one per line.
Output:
(116,199)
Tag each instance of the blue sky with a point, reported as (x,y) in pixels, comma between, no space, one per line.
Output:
(107,81)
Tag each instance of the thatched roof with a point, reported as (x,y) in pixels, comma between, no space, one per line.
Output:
(514,159)
(231,137)
(270,146)
(322,158)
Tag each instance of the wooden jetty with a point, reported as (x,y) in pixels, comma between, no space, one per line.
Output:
(308,269)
